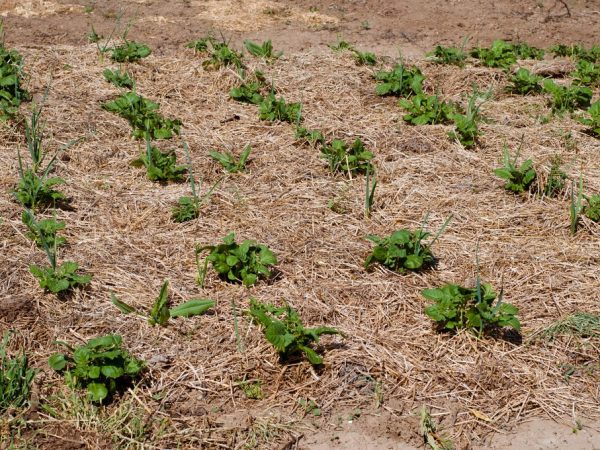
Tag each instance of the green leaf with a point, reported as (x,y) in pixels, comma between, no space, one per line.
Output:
(57,361)
(97,392)
(122,306)
(192,308)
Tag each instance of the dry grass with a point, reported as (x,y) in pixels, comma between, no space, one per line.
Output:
(120,231)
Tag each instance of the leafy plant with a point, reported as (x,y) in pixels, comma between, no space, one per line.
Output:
(400,81)
(364,58)
(592,209)
(143,117)
(12,92)
(579,52)
(576,206)
(312,137)
(567,98)
(404,249)
(101,366)
(426,109)
(246,262)
(556,178)
(284,329)
(249,92)
(34,136)
(264,50)
(448,55)
(342,158)
(200,45)
(229,162)
(130,51)
(33,190)
(221,55)
(466,127)
(431,436)
(456,307)
(594,119)
(15,378)
(587,73)
(340,46)
(161,167)
(160,312)
(118,78)
(271,108)
(44,229)
(523,82)
(502,54)
(518,178)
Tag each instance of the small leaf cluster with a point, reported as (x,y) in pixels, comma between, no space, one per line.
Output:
(143,117)
(160,166)
(523,82)
(229,162)
(246,262)
(518,178)
(118,78)
(593,122)
(556,178)
(15,378)
(101,366)
(264,50)
(361,58)
(44,230)
(59,278)
(456,307)
(272,109)
(567,98)
(466,125)
(586,74)
(312,137)
(284,329)
(592,209)
(130,51)
(12,92)
(400,81)
(577,51)
(349,159)
(35,190)
(503,55)
(221,55)
(426,109)
(160,313)
(248,92)
(448,55)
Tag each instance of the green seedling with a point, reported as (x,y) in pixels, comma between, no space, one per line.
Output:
(188,208)
(503,55)
(430,435)
(237,263)
(578,52)
(160,166)
(247,93)
(370,185)
(44,229)
(201,45)
(579,324)
(518,178)
(555,183)
(400,81)
(142,114)
(364,58)
(93,37)
(340,46)
(284,329)
(12,92)
(448,55)
(118,78)
(404,250)
(101,366)
(160,312)
(221,55)
(593,122)
(229,162)
(426,109)
(274,109)
(15,378)
(587,74)
(457,307)
(34,136)
(592,209)
(252,389)
(567,98)
(342,158)
(264,50)
(466,126)
(130,51)
(312,137)
(34,190)
(576,207)
(310,406)
(523,82)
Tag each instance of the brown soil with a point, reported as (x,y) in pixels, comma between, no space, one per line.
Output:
(391,362)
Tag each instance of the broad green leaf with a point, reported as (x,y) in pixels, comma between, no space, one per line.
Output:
(192,308)
(97,391)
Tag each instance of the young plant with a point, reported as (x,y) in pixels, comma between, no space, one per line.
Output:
(503,55)
(448,55)
(221,55)
(340,46)
(118,78)
(130,51)
(576,207)
(593,122)
(44,229)
(426,109)
(237,263)
(161,167)
(567,98)
(248,92)
(404,249)
(264,50)
(188,208)
(143,117)
(456,307)
(12,92)
(229,162)
(577,51)
(430,434)
(523,82)
(34,190)
(364,58)
(369,192)
(284,329)
(555,183)
(201,45)
(271,108)
(15,378)
(346,159)
(312,137)
(160,312)
(592,209)
(34,136)
(518,178)
(587,74)
(466,127)
(101,366)
(400,81)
